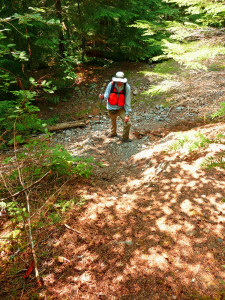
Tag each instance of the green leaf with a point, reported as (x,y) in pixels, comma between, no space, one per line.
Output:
(3,204)
(7,160)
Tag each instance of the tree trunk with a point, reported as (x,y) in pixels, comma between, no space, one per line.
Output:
(61,37)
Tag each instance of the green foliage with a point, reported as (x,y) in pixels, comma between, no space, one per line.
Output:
(55,218)
(6,108)
(68,64)
(182,31)
(61,162)
(207,12)
(82,113)
(164,88)
(19,116)
(43,86)
(130,30)
(166,68)
(190,142)
(37,159)
(220,112)
(64,205)
(192,55)
(193,141)
(17,212)
(52,121)
(215,161)
(57,159)
(166,73)
(54,99)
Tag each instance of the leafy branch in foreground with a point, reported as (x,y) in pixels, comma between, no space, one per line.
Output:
(24,179)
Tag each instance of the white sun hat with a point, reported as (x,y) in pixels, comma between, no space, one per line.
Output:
(119,77)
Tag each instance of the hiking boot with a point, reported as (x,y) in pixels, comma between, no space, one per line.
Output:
(112,135)
(126,141)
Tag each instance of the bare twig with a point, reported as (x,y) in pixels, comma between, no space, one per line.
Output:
(78,232)
(10,238)
(31,240)
(50,198)
(28,211)
(27,188)
(5,183)
(17,273)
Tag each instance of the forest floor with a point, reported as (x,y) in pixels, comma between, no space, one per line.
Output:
(149,223)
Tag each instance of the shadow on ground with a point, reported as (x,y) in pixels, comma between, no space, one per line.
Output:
(152,228)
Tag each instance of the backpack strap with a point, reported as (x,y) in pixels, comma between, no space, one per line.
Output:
(112,87)
(124,89)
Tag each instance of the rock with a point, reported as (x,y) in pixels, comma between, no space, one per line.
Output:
(62,259)
(191,233)
(123,190)
(179,108)
(129,243)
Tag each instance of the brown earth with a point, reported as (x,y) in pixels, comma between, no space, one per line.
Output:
(150,222)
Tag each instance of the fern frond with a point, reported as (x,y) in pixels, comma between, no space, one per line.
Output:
(215,161)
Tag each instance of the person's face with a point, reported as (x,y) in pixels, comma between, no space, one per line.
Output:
(119,84)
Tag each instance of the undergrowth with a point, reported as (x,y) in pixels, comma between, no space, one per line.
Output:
(195,141)
(190,141)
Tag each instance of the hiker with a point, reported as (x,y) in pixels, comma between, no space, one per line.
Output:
(117,95)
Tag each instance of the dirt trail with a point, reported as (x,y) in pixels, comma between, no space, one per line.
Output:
(153,221)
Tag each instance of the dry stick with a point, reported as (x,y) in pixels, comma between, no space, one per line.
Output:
(67,226)
(28,210)
(21,296)
(23,190)
(31,240)
(10,238)
(50,198)
(5,184)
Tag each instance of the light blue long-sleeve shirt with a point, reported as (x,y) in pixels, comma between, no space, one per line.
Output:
(127,105)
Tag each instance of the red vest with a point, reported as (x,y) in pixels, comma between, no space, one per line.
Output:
(117,98)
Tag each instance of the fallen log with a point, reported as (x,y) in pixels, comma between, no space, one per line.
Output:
(66,125)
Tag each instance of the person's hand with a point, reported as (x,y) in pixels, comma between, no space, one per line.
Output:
(101,96)
(126,119)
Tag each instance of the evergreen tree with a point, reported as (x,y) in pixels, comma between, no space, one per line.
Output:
(208,12)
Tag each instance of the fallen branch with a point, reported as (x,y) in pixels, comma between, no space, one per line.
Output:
(66,125)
